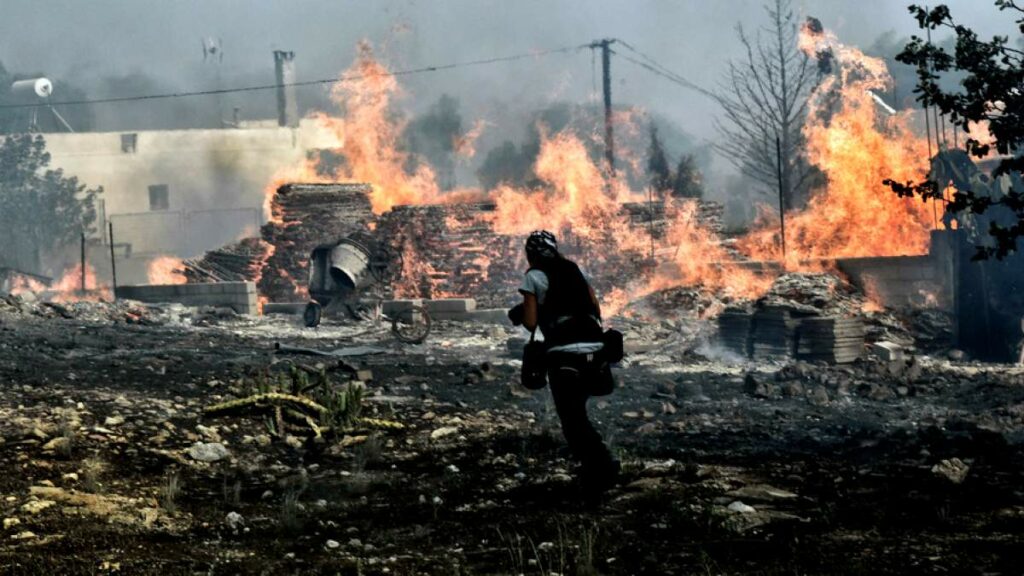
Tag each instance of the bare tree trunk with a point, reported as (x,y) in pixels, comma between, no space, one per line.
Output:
(763,97)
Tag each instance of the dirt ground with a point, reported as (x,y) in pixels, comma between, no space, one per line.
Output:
(877,468)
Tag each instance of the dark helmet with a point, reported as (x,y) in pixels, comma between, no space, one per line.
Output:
(542,243)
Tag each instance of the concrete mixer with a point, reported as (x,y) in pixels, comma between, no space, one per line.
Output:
(349,276)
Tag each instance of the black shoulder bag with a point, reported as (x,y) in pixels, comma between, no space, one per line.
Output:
(535,365)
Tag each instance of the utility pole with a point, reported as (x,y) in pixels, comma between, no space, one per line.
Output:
(606,77)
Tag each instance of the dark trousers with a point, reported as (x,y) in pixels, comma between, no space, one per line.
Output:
(569,376)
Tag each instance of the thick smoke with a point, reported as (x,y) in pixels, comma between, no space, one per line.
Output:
(110,48)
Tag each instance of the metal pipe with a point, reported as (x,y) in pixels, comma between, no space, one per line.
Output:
(113,263)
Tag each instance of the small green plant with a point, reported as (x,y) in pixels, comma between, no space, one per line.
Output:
(92,471)
(368,453)
(585,559)
(297,398)
(232,491)
(514,545)
(66,432)
(291,510)
(708,564)
(344,405)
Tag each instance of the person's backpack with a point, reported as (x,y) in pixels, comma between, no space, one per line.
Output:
(568,315)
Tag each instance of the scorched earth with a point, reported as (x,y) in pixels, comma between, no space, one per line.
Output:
(114,463)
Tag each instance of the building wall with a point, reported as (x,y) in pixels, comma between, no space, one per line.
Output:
(215,180)
(905,281)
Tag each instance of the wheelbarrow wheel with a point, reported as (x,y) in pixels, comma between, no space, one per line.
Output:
(312,314)
(411,326)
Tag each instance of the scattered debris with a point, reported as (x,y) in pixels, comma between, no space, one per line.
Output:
(953,469)
(208,451)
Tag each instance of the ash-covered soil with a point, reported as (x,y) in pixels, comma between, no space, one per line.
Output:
(878,468)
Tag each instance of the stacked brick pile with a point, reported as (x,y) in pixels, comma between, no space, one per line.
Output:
(816,317)
(238,262)
(651,215)
(447,250)
(451,250)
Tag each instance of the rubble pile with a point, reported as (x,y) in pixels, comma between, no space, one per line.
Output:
(874,379)
(678,301)
(238,262)
(118,312)
(932,329)
(304,216)
(813,294)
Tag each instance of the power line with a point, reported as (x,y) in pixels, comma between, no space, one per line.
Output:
(425,69)
(652,65)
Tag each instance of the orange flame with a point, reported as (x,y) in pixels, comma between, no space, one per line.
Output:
(856,148)
(165,270)
(23,285)
(854,214)
(873,301)
(465,145)
(371,137)
(68,288)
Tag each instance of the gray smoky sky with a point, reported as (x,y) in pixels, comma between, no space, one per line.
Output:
(86,41)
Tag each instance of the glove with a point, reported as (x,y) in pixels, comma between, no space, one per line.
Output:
(516,314)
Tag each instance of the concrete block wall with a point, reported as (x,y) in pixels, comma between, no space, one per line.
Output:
(902,281)
(392,307)
(239,296)
(455,309)
(450,308)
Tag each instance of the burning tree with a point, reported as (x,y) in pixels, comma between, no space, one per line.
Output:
(685,182)
(434,136)
(764,97)
(41,210)
(657,164)
(688,181)
(990,96)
